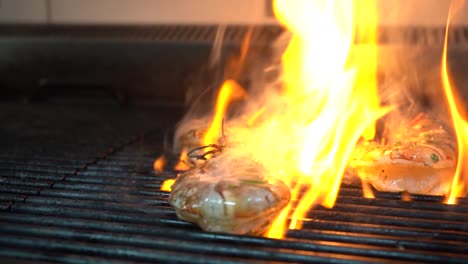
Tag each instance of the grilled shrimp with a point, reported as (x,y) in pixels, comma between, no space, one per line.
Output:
(229,195)
(421,161)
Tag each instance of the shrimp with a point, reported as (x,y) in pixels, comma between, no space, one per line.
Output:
(228,193)
(421,161)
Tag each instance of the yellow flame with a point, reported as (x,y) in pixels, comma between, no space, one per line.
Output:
(167,185)
(460,125)
(277,229)
(366,76)
(230,91)
(332,98)
(181,166)
(159,164)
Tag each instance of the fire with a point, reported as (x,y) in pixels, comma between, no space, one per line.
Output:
(159,164)
(332,98)
(305,133)
(366,190)
(459,123)
(167,185)
(181,166)
(229,92)
(366,76)
(158,167)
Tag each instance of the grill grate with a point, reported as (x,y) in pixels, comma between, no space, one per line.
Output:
(78,203)
(179,33)
(234,33)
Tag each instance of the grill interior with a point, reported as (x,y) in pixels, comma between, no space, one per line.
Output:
(76,177)
(77,186)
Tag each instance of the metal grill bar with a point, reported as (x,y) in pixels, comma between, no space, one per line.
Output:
(234,33)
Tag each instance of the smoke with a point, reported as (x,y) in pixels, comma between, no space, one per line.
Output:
(251,66)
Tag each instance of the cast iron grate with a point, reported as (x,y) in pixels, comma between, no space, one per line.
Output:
(103,204)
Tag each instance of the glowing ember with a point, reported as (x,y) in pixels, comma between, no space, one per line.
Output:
(229,92)
(181,166)
(406,196)
(167,185)
(159,164)
(460,125)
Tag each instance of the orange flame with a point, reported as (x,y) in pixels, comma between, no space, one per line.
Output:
(460,125)
(159,164)
(406,196)
(332,97)
(229,92)
(181,166)
(367,190)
